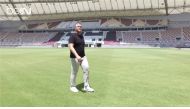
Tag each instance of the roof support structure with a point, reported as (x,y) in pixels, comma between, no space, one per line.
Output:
(40,1)
(137,4)
(61,7)
(158,4)
(36,8)
(130,3)
(78,7)
(105,5)
(88,6)
(100,7)
(144,4)
(96,14)
(151,4)
(111,4)
(83,6)
(55,8)
(4,12)
(67,8)
(19,16)
(166,7)
(117,5)
(42,8)
(124,5)
(184,4)
(94,6)
(48,7)
(14,6)
(71,3)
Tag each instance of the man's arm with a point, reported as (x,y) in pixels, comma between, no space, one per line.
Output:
(74,52)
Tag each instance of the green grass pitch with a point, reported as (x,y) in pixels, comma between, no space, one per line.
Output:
(120,77)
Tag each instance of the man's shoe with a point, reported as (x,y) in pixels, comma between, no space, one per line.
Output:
(74,89)
(88,89)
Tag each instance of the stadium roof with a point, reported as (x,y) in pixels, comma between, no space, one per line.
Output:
(82,9)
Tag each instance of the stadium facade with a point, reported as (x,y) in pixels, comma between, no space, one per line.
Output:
(106,23)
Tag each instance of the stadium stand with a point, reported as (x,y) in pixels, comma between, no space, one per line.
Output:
(34,38)
(126,22)
(52,25)
(103,21)
(31,26)
(152,36)
(163,22)
(170,35)
(112,23)
(57,37)
(96,33)
(152,22)
(91,24)
(22,39)
(131,37)
(42,26)
(111,36)
(186,33)
(11,39)
(138,23)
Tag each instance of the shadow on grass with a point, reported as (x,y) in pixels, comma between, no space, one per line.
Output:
(80,87)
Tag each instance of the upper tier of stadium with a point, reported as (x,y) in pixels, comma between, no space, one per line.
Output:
(83,9)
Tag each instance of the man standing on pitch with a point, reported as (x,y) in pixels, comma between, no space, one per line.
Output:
(77,56)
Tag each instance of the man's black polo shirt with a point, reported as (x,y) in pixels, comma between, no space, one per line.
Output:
(79,44)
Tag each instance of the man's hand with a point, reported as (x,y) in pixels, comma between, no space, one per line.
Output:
(79,59)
